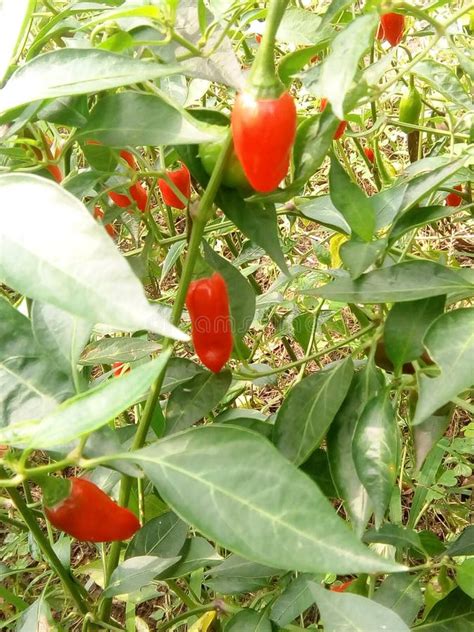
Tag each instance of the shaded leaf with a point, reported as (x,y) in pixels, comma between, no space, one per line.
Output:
(163,536)
(464,545)
(455,613)
(109,350)
(357,256)
(238,575)
(249,620)
(294,600)
(402,594)
(196,553)
(135,573)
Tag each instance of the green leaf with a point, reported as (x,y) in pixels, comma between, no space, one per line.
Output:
(320,209)
(443,80)
(293,601)
(406,281)
(351,201)
(402,594)
(68,111)
(341,65)
(179,371)
(196,553)
(238,575)
(375,452)
(99,287)
(69,71)
(450,343)
(61,335)
(417,217)
(299,27)
(313,138)
(365,385)
(37,616)
(357,255)
(32,385)
(465,576)
(317,468)
(191,401)
(241,293)
(257,222)
(163,536)
(131,118)
(212,477)
(86,412)
(406,326)
(108,350)
(135,573)
(427,433)
(455,613)
(353,613)
(464,544)
(249,620)
(396,536)
(308,410)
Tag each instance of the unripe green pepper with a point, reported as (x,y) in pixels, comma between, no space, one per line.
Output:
(410,107)
(233,175)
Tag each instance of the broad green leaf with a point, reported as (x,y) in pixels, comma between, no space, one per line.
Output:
(14,19)
(163,536)
(313,138)
(61,335)
(427,433)
(406,326)
(464,544)
(465,576)
(86,412)
(416,217)
(238,575)
(246,418)
(68,111)
(365,385)
(257,222)
(353,613)
(375,452)
(38,616)
(123,349)
(69,71)
(99,287)
(196,553)
(401,282)
(396,536)
(229,483)
(31,385)
(308,410)
(299,27)
(320,209)
(317,468)
(135,573)
(351,201)
(249,620)
(402,594)
(357,255)
(341,65)
(241,293)
(450,343)
(442,79)
(455,613)
(294,600)
(131,118)
(191,401)
(179,371)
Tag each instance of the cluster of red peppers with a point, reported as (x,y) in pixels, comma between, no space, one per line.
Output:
(81,509)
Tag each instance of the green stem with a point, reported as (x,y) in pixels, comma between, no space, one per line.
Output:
(202,216)
(47,550)
(263,77)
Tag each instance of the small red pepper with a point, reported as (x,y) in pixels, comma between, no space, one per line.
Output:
(99,214)
(258,38)
(81,509)
(369,152)
(453,199)
(391,27)
(208,306)
(341,128)
(181,178)
(118,369)
(264,132)
(341,587)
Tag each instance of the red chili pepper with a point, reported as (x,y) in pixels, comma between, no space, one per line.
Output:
(208,306)
(258,38)
(118,369)
(341,587)
(369,152)
(341,128)
(452,199)
(56,172)
(140,195)
(391,28)
(315,59)
(99,214)
(181,178)
(81,509)
(264,132)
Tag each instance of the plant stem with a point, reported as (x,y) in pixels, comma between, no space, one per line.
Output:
(47,550)
(203,214)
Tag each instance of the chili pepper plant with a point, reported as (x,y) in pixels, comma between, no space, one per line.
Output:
(236,321)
